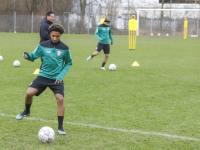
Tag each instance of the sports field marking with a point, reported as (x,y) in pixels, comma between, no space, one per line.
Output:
(114,129)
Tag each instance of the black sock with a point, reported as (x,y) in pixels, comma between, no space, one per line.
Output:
(60,121)
(27,106)
(103,64)
(92,56)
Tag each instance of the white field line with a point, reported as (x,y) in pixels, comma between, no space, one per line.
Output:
(115,129)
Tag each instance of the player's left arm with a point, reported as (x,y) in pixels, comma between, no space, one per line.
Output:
(110,36)
(67,65)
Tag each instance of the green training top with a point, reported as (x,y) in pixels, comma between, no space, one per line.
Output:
(56,59)
(103,33)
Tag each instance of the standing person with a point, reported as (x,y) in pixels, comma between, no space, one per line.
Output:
(56,60)
(103,33)
(45,23)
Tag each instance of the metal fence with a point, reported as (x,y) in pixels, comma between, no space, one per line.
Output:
(71,23)
(168,27)
(148,25)
(160,22)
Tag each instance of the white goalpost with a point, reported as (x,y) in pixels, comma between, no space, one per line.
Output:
(167,22)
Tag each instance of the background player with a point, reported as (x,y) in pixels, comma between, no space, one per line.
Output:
(103,34)
(45,23)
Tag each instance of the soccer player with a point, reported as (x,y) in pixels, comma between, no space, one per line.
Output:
(103,34)
(45,23)
(56,60)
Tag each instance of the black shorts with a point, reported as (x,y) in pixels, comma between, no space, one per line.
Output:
(105,47)
(41,83)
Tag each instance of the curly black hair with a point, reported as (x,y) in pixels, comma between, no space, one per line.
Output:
(57,28)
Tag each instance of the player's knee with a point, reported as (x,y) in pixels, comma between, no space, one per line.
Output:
(59,99)
(29,94)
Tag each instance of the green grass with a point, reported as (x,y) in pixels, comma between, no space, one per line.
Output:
(160,96)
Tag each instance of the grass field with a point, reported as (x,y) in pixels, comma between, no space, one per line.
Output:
(153,106)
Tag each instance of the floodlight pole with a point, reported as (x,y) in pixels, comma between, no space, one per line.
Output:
(14,5)
(128,9)
(32,23)
(195,3)
(198,26)
(68,22)
(151,26)
(174,26)
(52,4)
(138,19)
(170,16)
(14,22)
(89,17)
(14,15)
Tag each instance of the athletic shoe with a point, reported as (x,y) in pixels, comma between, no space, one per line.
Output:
(103,68)
(90,57)
(61,131)
(21,116)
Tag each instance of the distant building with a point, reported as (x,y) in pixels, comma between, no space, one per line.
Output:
(130,6)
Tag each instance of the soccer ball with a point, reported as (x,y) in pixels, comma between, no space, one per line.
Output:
(112,67)
(1,58)
(46,134)
(16,63)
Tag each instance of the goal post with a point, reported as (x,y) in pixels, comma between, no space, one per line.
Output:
(167,22)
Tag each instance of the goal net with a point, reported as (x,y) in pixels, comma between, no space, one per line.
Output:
(168,22)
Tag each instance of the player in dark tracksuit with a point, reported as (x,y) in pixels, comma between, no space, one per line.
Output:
(45,24)
(103,34)
(56,60)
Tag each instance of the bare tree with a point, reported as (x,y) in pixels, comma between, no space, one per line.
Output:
(82,9)
(79,7)
(62,8)
(113,12)
(48,5)
(34,5)
(8,7)
(170,16)
(161,17)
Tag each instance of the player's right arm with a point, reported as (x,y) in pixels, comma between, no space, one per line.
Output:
(34,55)
(97,34)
